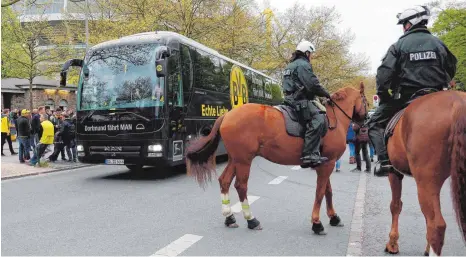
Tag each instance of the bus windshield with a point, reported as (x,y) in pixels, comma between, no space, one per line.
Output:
(121,77)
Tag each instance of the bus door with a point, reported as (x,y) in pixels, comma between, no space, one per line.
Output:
(175,102)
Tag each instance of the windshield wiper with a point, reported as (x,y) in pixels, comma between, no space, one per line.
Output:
(87,116)
(133,113)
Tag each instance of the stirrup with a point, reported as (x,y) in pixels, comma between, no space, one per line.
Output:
(384,169)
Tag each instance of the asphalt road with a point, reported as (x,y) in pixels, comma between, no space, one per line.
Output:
(105,210)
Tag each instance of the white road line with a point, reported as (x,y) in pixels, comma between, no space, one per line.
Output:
(356,233)
(178,246)
(237,207)
(296,167)
(278,180)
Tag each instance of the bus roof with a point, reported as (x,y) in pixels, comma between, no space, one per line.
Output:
(158,36)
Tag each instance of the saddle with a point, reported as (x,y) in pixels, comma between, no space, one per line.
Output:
(394,120)
(293,125)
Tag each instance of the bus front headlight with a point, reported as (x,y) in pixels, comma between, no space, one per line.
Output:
(80,148)
(154,148)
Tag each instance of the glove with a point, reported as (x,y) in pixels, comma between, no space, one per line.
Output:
(384,97)
(327,95)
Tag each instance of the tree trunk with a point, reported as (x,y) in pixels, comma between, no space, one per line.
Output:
(30,95)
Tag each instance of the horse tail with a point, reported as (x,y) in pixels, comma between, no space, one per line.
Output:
(458,166)
(200,154)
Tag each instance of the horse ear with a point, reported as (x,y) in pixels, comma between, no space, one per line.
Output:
(361,87)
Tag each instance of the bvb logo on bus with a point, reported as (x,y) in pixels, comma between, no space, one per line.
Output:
(238,87)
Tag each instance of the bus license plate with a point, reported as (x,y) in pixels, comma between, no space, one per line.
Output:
(115,161)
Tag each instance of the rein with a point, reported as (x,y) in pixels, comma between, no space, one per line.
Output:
(333,103)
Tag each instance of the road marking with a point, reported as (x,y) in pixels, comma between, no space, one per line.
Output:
(356,233)
(178,246)
(278,180)
(237,207)
(296,168)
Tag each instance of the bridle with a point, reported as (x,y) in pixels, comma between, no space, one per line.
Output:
(332,104)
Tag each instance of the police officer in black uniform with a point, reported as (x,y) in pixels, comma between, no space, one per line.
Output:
(418,60)
(300,86)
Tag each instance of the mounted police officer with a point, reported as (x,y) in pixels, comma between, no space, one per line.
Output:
(300,86)
(418,60)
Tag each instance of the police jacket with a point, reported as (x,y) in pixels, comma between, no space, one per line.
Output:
(298,74)
(417,60)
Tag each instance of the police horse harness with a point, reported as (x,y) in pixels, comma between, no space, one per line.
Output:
(273,133)
(427,141)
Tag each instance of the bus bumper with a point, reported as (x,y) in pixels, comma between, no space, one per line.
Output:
(157,153)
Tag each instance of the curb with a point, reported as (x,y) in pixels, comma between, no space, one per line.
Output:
(45,172)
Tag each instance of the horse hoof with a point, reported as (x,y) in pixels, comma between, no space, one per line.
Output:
(254,224)
(230,221)
(335,221)
(318,229)
(394,251)
(426,253)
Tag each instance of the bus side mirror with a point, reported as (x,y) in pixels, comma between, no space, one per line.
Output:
(63,78)
(66,66)
(161,67)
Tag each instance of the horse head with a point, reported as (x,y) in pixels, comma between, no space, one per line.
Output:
(361,106)
(353,102)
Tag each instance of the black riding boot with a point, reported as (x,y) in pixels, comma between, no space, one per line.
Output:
(377,139)
(311,154)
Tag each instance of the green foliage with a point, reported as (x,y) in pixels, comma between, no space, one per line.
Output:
(237,29)
(23,55)
(450,27)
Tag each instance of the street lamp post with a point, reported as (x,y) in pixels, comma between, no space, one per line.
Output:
(86,22)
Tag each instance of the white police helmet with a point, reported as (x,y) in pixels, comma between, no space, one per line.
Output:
(305,46)
(414,15)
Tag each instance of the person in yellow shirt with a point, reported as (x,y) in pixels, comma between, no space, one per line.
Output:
(5,129)
(46,135)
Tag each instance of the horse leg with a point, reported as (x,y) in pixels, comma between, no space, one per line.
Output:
(395,207)
(429,199)
(334,219)
(225,181)
(323,175)
(427,250)
(241,185)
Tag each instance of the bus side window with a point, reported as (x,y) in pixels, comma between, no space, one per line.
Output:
(277,94)
(252,93)
(268,89)
(224,80)
(187,73)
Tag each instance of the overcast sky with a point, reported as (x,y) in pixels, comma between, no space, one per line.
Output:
(372,21)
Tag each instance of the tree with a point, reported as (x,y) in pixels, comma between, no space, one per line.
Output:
(450,27)
(23,55)
(235,29)
(333,63)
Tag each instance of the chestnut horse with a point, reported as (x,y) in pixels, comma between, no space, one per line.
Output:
(259,130)
(429,144)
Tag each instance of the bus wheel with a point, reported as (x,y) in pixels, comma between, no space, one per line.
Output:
(134,167)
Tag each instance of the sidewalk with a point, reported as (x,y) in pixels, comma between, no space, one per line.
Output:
(12,168)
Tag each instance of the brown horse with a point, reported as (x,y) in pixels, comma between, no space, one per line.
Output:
(259,130)
(429,144)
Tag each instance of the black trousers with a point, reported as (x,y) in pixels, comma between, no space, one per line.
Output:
(6,137)
(365,153)
(314,123)
(57,149)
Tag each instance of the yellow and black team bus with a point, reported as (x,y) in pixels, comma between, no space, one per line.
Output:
(140,98)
